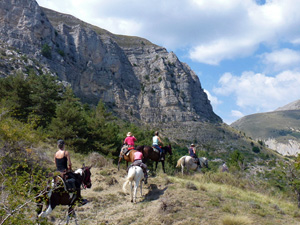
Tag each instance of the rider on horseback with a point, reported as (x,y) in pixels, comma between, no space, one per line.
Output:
(64,166)
(138,162)
(129,140)
(192,152)
(156,140)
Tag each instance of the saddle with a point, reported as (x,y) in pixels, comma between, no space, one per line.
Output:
(197,161)
(155,149)
(68,180)
(126,149)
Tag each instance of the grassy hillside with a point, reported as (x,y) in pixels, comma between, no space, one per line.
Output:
(277,124)
(210,198)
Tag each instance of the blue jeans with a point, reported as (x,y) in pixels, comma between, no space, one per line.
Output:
(157,147)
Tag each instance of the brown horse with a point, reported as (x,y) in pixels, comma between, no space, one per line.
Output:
(150,153)
(127,157)
(58,195)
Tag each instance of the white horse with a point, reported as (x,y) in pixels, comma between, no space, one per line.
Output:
(189,163)
(134,177)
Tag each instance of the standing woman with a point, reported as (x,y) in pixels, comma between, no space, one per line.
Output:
(156,140)
(62,158)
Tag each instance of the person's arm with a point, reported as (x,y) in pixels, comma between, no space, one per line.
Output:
(160,140)
(125,140)
(194,150)
(69,160)
(134,139)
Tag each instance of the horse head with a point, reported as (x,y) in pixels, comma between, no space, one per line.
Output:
(168,149)
(203,162)
(86,174)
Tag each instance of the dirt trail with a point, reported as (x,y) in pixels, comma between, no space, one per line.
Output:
(109,205)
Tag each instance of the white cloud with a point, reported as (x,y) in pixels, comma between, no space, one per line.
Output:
(213,30)
(236,114)
(281,59)
(258,92)
(213,99)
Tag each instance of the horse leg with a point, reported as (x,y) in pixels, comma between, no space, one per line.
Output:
(156,166)
(131,190)
(136,184)
(71,213)
(49,209)
(163,166)
(120,159)
(141,187)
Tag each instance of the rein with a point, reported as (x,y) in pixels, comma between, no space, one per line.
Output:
(84,179)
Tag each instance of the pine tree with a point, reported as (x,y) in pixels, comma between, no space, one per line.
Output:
(70,123)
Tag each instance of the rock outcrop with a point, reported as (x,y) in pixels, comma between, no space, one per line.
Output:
(138,80)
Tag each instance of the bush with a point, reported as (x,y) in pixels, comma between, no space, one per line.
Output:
(46,51)
(256,149)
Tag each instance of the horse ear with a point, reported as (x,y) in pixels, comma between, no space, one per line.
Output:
(83,165)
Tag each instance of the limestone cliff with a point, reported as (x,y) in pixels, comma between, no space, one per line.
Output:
(138,80)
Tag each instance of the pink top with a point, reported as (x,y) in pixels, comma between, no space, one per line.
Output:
(130,140)
(138,156)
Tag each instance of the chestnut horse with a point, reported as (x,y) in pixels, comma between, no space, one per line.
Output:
(127,157)
(58,195)
(149,153)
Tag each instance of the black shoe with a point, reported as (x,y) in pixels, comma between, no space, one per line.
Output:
(145,181)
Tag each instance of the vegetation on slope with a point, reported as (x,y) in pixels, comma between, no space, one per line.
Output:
(37,110)
(281,125)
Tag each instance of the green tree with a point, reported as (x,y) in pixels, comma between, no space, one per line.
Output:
(44,97)
(237,160)
(102,131)
(70,122)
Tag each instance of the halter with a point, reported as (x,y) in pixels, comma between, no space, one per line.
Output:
(84,179)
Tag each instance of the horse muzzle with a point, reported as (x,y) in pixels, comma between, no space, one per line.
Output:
(89,185)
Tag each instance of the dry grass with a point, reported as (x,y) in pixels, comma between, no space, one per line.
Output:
(235,220)
(177,200)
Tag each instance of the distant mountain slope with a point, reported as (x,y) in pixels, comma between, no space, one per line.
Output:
(279,129)
(291,106)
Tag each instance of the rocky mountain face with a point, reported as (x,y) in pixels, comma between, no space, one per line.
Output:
(138,80)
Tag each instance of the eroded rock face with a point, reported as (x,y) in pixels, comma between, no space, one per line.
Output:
(137,79)
(290,148)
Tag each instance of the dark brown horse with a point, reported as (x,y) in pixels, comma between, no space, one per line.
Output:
(127,158)
(58,195)
(150,153)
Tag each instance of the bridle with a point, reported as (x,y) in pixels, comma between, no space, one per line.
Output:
(86,179)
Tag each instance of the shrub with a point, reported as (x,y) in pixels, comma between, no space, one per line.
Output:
(46,51)
(256,149)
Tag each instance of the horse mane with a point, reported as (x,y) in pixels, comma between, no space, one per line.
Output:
(79,171)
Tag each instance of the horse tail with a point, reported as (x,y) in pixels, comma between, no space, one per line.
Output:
(179,161)
(129,178)
(124,185)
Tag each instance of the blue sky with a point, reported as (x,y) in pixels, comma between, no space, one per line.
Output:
(245,52)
